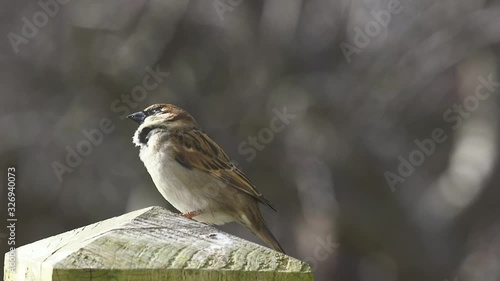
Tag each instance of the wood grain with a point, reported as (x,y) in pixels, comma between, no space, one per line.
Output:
(152,244)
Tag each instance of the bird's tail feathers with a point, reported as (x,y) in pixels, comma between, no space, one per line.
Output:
(254,221)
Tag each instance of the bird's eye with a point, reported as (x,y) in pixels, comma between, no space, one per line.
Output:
(155,111)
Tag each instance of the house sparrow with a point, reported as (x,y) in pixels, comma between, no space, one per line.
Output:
(194,174)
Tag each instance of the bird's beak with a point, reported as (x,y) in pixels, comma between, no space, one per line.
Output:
(137,117)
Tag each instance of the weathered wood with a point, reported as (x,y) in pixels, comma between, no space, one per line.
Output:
(152,244)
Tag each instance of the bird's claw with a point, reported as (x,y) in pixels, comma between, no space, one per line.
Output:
(190,215)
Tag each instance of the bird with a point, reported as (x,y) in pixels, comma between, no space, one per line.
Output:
(194,174)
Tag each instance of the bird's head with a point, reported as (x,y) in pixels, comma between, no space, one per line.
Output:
(165,115)
(160,117)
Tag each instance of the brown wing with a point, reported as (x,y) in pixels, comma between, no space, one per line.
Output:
(195,149)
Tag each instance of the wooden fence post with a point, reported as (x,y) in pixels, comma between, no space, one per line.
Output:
(152,244)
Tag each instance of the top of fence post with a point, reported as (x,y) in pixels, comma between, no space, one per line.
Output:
(152,244)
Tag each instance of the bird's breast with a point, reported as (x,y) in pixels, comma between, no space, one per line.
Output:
(186,189)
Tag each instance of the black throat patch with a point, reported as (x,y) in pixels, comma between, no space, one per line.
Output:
(144,133)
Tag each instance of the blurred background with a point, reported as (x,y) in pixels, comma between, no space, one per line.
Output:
(372,125)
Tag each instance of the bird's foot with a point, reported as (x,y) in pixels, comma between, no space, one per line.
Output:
(192,214)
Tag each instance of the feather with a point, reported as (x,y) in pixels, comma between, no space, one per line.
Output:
(196,149)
